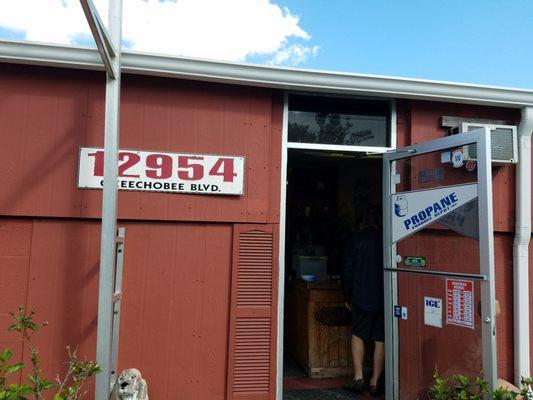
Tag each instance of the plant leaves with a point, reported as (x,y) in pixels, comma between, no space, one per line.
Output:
(6,355)
(12,369)
(47,385)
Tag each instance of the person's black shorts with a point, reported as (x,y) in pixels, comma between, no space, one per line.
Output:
(368,325)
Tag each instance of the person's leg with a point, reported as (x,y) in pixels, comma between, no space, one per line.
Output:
(379,362)
(360,333)
(379,353)
(358,354)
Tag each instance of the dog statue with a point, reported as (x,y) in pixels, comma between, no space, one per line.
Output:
(129,385)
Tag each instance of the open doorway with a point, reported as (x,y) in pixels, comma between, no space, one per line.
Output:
(328,196)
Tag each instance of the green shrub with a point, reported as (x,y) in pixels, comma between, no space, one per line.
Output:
(460,387)
(69,387)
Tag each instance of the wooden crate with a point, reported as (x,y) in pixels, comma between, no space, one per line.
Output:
(323,351)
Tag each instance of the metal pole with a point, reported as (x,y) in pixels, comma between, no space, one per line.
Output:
(117,300)
(388,286)
(282,227)
(109,208)
(486,258)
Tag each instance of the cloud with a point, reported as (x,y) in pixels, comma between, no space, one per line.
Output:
(229,30)
(294,54)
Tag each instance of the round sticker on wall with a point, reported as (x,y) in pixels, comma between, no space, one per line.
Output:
(470,166)
(457,158)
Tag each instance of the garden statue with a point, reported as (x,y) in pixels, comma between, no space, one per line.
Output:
(129,385)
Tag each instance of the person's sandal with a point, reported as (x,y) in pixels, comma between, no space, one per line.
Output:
(356,386)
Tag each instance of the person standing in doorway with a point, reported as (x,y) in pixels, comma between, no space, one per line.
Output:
(363,291)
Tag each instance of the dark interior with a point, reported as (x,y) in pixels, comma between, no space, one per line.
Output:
(328,194)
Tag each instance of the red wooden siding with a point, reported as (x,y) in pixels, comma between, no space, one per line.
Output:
(15,242)
(503,257)
(175,322)
(176,308)
(252,358)
(199,313)
(63,288)
(174,325)
(46,114)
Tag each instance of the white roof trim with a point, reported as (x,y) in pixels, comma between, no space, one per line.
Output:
(266,76)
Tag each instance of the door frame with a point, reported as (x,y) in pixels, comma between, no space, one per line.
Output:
(285,147)
(486,248)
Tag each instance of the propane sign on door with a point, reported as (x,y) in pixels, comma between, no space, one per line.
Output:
(412,211)
(165,172)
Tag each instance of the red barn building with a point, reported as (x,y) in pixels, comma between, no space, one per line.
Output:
(206,276)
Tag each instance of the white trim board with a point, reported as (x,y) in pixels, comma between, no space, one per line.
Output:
(267,76)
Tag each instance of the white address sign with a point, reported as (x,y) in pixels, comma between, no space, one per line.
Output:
(165,172)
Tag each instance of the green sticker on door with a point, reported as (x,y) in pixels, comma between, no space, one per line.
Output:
(414,261)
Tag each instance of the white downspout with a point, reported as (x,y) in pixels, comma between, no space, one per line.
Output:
(521,248)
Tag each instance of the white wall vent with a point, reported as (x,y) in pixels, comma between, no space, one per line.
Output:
(504,145)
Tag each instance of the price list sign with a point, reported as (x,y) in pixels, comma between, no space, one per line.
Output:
(460,303)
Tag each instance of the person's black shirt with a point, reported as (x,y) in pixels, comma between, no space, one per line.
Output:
(363,270)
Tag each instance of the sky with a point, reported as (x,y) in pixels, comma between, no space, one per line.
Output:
(475,41)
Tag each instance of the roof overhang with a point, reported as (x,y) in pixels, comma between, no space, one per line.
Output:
(266,76)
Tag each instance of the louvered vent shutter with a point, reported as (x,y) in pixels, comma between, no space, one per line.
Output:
(252,347)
